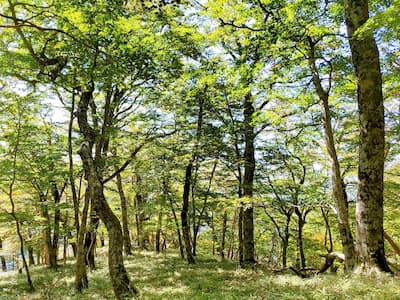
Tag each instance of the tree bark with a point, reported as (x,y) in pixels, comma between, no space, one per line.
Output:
(339,191)
(369,207)
(124,212)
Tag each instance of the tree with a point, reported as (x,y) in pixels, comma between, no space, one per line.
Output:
(369,209)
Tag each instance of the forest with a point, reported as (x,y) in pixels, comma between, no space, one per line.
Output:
(194,149)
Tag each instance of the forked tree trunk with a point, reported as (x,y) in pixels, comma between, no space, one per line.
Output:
(369,207)
(119,277)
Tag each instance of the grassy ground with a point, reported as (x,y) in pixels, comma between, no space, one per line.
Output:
(168,277)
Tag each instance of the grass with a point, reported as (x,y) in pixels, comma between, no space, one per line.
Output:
(168,277)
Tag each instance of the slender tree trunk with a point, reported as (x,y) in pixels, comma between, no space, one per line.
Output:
(184,214)
(56,231)
(124,212)
(48,248)
(139,216)
(90,241)
(178,231)
(232,236)
(12,202)
(249,169)
(300,226)
(81,280)
(158,233)
(328,232)
(213,235)
(223,235)
(195,224)
(75,198)
(339,192)
(369,207)
(240,236)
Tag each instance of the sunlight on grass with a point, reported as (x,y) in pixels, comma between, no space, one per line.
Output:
(169,277)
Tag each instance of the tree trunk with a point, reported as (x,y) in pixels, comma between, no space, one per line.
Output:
(56,231)
(158,233)
(232,237)
(81,280)
(90,241)
(328,232)
(339,191)
(249,169)
(3,263)
(124,212)
(139,216)
(369,207)
(119,277)
(240,236)
(184,214)
(48,249)
(300,225)
(178,231)
(223,234)
(31,259)
(75,198)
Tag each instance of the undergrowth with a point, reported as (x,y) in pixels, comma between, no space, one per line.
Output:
(166,276)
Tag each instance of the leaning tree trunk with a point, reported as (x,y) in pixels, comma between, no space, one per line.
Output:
(369,207)
(339,192)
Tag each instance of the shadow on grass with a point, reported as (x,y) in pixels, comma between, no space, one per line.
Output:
(169,277)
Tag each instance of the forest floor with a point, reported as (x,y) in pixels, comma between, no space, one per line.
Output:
(166,276)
